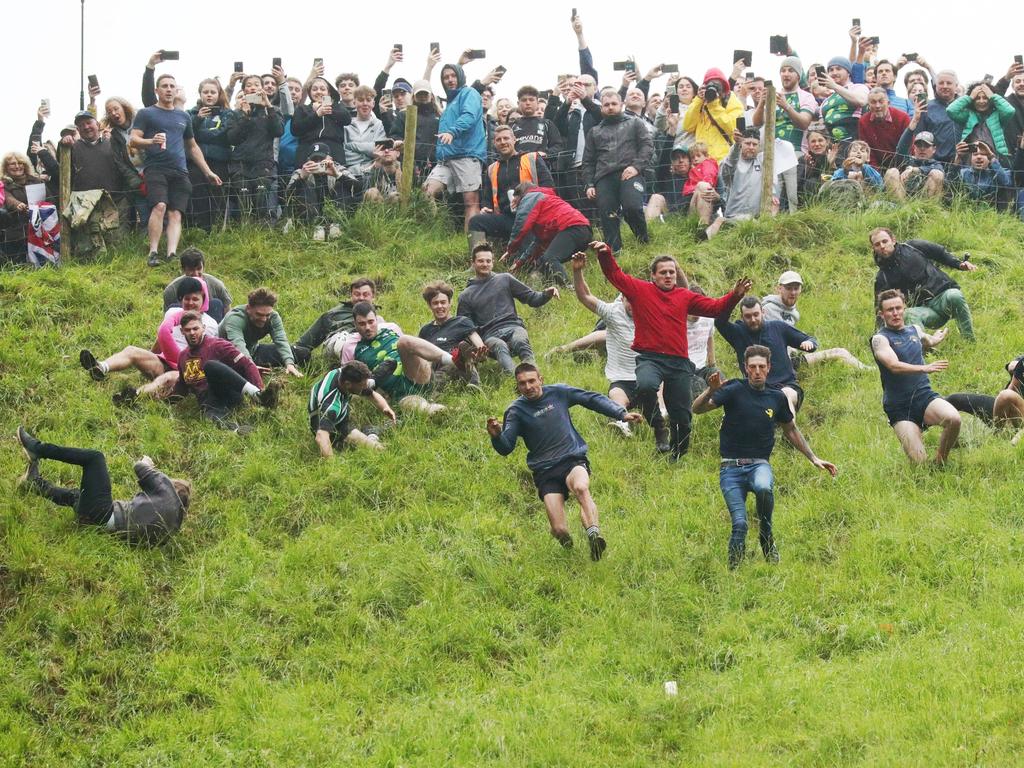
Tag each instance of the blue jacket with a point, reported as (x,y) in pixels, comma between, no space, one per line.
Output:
(211,133)
(545,425)
(984,184)
(464,119)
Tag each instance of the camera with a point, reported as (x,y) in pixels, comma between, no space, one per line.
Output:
(711,93)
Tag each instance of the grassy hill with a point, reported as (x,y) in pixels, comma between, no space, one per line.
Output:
(408,608)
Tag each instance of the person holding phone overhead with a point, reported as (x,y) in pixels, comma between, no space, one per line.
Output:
(322,121)
(165,133)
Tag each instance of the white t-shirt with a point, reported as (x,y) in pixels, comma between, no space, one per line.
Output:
(621,364)
(697,335)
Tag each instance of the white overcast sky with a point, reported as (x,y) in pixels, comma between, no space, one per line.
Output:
(532,39)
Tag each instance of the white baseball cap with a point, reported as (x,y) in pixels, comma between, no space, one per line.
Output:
(789,276)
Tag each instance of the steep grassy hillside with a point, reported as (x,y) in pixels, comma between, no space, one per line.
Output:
(408,608)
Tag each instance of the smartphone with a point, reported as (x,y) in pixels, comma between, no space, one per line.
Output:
(477,53)
(741,123)
(169,55)
(546,95)
(819,71)
(435,47)
(500,69)
(45,104)
(669,68)
(987,78)
(619,66)
(239,67)
(573,15)
(750,77)
(921,98)
(910,56)
(94,81)
(318,62)
(747,57)
(856,23)
(873,40)
(630,66)
(1018,59)
(767,84)
(778,45)
(254,98)
(276,62)
(673,102)
(385,143)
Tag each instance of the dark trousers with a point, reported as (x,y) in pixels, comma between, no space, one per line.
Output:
(206,206)
(267,356)
(572,189)
(497,226)
(560,250)
(223,389)
(616,200)
(653,369)
(92,500)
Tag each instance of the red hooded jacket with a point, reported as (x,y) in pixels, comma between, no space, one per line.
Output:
(543,214)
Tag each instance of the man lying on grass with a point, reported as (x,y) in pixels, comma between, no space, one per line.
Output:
(557,454)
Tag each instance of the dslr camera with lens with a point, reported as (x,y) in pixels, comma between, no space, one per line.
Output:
(711,93)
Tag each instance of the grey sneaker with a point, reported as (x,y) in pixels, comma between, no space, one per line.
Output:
(154,259)
(91,364)
(597,547)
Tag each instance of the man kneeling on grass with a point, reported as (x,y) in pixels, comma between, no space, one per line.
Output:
(329,407)
(557,454)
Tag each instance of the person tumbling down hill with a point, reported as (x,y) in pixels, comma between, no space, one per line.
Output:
(557,454)
(1005,410)
(329,407)
(151,516)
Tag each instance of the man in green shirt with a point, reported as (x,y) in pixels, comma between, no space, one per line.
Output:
(329,407)
(244,326)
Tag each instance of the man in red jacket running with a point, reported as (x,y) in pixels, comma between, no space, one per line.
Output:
(558,228)
(660,308)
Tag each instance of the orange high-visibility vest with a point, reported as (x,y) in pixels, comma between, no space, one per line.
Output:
(527,172)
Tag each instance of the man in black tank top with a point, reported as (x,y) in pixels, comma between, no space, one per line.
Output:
(907,395)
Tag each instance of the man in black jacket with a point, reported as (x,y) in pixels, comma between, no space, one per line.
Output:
(494,222)
(617,152)
(533,132)
(253,168)
(933,297)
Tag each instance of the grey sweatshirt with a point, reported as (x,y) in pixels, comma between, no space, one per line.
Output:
(774,309)
(491,302)
(154,513)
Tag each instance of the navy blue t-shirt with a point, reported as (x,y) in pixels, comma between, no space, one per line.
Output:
(176,124)
(448,336)
(748,429)
(900,389)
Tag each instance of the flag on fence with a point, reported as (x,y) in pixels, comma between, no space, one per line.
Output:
(43,235)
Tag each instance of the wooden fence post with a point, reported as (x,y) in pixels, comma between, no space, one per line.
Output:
(63,198)
(768,150)
(408,154)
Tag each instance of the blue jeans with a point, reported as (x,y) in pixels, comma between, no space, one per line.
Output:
(736,483)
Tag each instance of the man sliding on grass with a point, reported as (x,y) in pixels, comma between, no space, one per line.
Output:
(1005,410)
(330,404)
(557,454)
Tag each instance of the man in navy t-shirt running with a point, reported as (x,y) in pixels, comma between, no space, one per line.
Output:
(745,442)
(557,454)
(165,133)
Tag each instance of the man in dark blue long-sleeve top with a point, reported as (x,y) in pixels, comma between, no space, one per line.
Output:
(557,454)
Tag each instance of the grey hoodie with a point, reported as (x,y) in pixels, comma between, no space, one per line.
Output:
(774,309)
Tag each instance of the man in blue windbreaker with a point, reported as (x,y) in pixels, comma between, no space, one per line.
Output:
(461,143)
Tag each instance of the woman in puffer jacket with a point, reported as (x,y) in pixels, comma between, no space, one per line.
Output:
(323,120)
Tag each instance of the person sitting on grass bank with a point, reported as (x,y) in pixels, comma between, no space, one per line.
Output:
(745,442)
(557,454)
(193,265)
(163,362)
(908,399)
(153,515)
(402,366)
(454,334)
(489,300)
(1005,410)
(215,371)
(246,325)
(932,296)
(333,327)
(781,305)
(329,408)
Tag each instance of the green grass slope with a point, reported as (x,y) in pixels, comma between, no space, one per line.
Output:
(408,608)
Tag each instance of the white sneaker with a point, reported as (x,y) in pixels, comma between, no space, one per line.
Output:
(318,234)
(334,232)
(435,408)
(622,426)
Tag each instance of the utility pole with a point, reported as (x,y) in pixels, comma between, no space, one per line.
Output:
(81,61)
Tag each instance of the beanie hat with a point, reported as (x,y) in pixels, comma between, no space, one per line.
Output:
(794,62)
(840,61)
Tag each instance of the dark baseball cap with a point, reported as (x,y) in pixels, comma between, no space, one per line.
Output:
(319,151)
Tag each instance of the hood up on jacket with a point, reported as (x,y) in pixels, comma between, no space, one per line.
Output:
(716,74)
(460,78)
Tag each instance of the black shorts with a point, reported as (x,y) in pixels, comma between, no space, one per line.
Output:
(553,480)
(337,430)
(629,387)
(912,410)
(170,186)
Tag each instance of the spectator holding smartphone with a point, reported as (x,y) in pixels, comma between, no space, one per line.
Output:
(165,134)
(842,108)
(253,168)
(981,175)
(427,117)
(212,118)
(322,121)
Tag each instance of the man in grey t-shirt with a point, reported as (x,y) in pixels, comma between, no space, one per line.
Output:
(741,175)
